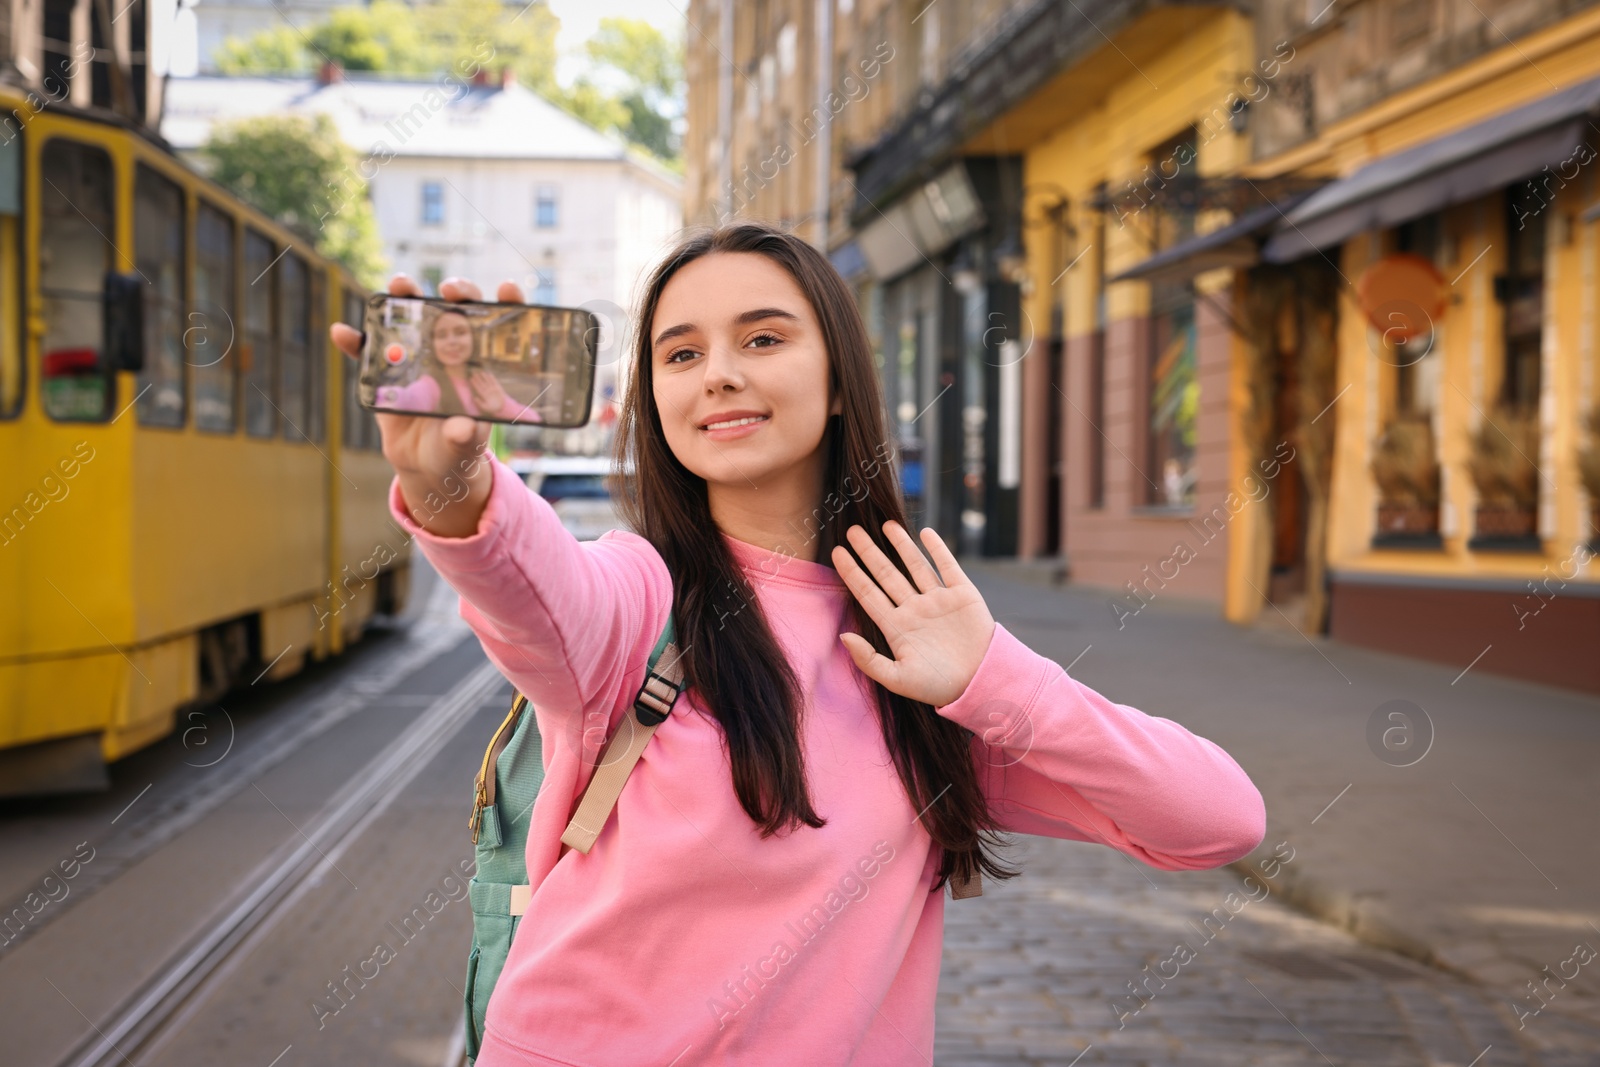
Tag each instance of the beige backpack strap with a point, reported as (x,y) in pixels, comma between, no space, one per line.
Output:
(961,889)
(650,709)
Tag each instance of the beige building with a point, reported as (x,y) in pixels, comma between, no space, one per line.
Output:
(1286,306)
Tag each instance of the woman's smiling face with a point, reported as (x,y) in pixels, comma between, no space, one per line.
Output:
(735,336)
(452,339)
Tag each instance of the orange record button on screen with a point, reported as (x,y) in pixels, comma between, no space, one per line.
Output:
(395,353)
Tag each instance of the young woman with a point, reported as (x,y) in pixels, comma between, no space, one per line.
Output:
(454,381)
(856,727)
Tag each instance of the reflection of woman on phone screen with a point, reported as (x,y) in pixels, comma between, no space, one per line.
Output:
(453,380)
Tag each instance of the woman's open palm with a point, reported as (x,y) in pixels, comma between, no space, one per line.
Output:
(938,633)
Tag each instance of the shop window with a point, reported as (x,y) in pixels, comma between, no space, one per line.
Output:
(294,345)
(259,356)
(158,244)
(1521,291)
(1097,361)
(1172,385)
(11,376)
(1097,419)
(1405,456)
(76,212)
(1416,360)
(211,344)
(1174,395)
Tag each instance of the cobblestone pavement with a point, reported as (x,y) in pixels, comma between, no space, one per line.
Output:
(1041,969)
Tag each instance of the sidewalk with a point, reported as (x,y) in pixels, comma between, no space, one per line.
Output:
(1482,856)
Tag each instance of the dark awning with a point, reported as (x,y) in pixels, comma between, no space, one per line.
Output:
(1459,166)
(1238,244)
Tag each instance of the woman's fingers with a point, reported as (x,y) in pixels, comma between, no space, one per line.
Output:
(463,432)
(460,289)
(509,293)
(402,285)
(949,569)
(347,339)
(860,583)
(880,566)
(923,574)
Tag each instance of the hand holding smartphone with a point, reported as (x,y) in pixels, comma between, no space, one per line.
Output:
(435,457)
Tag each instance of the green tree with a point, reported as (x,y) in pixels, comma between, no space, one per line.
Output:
(398,38)
(381,37)
(276,51)
(647,66)
(634,87)
(525,41)
(298,171)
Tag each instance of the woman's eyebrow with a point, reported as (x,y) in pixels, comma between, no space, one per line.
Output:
(744,319)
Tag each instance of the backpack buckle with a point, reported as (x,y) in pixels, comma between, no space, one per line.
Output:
(655,700)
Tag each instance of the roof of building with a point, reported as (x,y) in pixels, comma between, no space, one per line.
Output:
(438,117)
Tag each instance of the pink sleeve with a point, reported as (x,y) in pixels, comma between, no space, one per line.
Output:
(420,395)
(568,622)
(1057,759)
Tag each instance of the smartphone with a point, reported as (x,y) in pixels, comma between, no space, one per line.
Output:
(523,364)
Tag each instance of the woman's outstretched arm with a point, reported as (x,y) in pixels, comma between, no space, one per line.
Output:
(565,621)
(1058,759)
(569,622)
(1054,757)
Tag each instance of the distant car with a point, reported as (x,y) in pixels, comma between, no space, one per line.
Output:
(575,486)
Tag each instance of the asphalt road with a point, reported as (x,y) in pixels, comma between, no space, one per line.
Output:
(259,854)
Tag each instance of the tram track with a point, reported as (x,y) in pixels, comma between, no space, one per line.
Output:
(429,634)
(159,1009)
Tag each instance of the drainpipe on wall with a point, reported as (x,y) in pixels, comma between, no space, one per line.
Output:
(824,38)
(725,112)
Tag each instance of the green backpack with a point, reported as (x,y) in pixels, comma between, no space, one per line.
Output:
(508,782)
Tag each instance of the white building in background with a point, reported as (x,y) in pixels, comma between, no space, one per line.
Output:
(481,180)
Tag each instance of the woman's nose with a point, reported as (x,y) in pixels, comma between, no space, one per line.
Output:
(722,368)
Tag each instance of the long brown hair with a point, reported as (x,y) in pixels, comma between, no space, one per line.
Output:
(739,671)
(449,399)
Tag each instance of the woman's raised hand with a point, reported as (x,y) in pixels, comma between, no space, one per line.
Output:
(938,629)
(487,391)
(439,461)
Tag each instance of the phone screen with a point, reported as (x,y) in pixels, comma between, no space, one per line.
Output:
(522,364)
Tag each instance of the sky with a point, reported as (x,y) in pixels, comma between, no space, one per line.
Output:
(579,20)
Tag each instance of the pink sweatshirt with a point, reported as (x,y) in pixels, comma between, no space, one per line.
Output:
(683,937)
(423,395)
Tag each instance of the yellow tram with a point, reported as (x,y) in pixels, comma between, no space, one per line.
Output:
(190,495)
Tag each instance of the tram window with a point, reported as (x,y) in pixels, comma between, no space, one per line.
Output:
(258,354)
(10,268)
(294,337)
(210,341)
(317,361)
(360,428)
(77,216)
(158,246)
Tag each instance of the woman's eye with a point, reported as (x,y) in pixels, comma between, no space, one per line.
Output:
(673,357)
(766,337)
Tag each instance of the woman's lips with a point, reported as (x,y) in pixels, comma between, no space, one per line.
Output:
(731,433)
